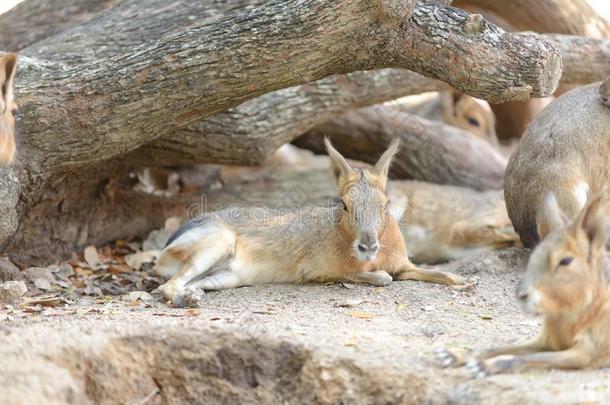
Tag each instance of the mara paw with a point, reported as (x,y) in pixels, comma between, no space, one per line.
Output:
(188,298)
(465,284)
(477,368)
(447,358)
(382,279)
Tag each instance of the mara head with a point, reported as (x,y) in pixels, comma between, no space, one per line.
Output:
(471,115)
(567,268)
(8,65)
(366,207)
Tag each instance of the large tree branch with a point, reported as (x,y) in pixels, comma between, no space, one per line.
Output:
(575,17)
(468,49)
(114,105)
(250,133)
(430,151)
(585,60)
(33,20)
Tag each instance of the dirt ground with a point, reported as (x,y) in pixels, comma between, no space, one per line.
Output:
(285,344)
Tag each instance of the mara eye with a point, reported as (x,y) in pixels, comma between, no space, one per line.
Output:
(566,261)
(474,122)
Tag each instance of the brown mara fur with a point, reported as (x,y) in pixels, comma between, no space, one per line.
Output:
(470,114)
(564,151)
(357,241)
(443,222)
(8,66)
(565,282)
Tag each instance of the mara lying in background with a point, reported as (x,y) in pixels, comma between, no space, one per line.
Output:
(358,241)
(453,108)
(564,151)
(8,66)
(565,282)
(443,222)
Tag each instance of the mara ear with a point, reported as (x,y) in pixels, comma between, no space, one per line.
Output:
(340,167)
(555,217)
(397,205)
(593,222)
(8,67)
(382,166)
(449,101)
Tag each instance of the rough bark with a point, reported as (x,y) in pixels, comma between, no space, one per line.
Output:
(585,60)
(430,151)
(448,32)
(118,104)
(138,71)
(574,17)
(32,20)
(250,133)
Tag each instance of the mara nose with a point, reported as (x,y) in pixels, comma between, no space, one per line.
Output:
(368,244)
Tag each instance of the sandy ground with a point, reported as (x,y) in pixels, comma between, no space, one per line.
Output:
(394,329)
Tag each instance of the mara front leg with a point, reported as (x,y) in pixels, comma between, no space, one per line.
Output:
(450,358)
(378,278)
(579,356)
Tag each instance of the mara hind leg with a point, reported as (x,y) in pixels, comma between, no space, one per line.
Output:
(198,251)
(409,271)
(218,281)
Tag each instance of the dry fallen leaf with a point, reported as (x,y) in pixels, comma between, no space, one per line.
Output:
(119,269)
(351,342)
(92,257)
(362,315)
(350,303)
(51,302)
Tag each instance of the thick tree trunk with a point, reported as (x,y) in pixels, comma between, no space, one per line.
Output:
(430,151)
(138,71)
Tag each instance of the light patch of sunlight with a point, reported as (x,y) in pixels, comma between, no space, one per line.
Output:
(602,7)
(6,5)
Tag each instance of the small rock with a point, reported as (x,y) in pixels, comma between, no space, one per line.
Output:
(42,284)
(8,271)
(140,296)
(427,308)
(11,291)
(64,272)
(35,273)
(432,330)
